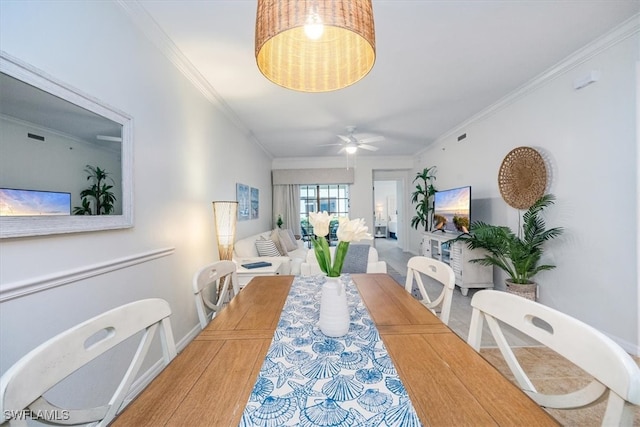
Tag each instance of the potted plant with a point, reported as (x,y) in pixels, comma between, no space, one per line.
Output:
(422,198)
(99,191)
(516,254)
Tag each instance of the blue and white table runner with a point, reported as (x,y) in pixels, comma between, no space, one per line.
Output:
(309,379)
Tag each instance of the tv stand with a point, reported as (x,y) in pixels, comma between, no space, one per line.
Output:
(458,256)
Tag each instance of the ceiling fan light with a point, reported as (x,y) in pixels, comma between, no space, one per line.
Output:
(343,53)
(351,149)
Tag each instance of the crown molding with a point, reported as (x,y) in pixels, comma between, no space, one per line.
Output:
(620,33)
(150,28)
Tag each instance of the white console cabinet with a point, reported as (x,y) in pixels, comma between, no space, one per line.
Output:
(458,256)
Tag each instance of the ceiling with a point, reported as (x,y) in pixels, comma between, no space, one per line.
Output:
(438,63)
(35,106)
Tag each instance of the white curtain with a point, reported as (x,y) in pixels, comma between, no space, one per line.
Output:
(286,203)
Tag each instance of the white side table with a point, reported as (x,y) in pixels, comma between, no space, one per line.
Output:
(380,228)
(246,274)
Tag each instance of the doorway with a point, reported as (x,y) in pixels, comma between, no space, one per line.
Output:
(388,208)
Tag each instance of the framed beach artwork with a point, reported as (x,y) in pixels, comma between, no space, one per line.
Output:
(243,197)
(255,203)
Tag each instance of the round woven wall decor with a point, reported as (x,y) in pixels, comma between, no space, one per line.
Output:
(522,178)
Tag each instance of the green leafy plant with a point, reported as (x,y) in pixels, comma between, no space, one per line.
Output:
(98,199)
(422,196)
(516,254)
(348,231)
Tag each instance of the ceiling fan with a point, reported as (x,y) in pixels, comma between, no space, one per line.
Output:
(351,142)
(108,138)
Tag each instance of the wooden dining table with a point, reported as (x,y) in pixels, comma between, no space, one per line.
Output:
(449,383)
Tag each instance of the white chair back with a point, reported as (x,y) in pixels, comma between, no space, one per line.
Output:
(22,386)
(612,368)
(220,278)
(436,270)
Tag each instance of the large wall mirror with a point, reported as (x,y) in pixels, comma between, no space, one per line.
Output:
(52,138)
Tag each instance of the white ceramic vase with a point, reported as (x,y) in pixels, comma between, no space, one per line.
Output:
(334,310)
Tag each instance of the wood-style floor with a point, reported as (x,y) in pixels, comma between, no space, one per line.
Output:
(549,372)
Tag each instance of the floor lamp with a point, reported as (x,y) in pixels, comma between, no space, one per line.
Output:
(225,214)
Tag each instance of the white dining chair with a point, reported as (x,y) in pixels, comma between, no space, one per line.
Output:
(219,279)
(438,271)
(23,385)
(610,366)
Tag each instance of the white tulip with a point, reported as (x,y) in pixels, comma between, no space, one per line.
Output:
(352,230)
(320,223)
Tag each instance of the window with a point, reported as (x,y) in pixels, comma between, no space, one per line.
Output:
(333,198)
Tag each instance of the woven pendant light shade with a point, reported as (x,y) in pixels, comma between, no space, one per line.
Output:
(342,55)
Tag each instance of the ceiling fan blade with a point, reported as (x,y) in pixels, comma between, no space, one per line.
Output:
(377,138)
(108,138)
(367,147)
(341,150)
(344,138)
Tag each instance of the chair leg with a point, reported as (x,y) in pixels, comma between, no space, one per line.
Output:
(618,412)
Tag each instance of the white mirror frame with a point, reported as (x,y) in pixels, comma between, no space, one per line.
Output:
(23,226)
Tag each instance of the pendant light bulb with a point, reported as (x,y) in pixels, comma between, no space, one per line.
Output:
(313,26)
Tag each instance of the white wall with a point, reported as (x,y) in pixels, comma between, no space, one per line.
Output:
(589,139)
(182,161)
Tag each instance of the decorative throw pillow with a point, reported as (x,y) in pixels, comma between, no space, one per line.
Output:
(275,236)
(267,248)
(293,236)
(356,259)
(288,243)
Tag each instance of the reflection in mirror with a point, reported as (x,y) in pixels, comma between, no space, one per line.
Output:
(53,139)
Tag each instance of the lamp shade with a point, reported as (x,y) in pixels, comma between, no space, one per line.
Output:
(225,215)
(337,55)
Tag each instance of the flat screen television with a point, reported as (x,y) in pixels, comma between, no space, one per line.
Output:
(452,210)
(14,202)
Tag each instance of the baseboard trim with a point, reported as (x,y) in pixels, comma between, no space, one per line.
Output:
(38,284)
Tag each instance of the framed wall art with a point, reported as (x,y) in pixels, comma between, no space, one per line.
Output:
(243,197)
(255,203)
